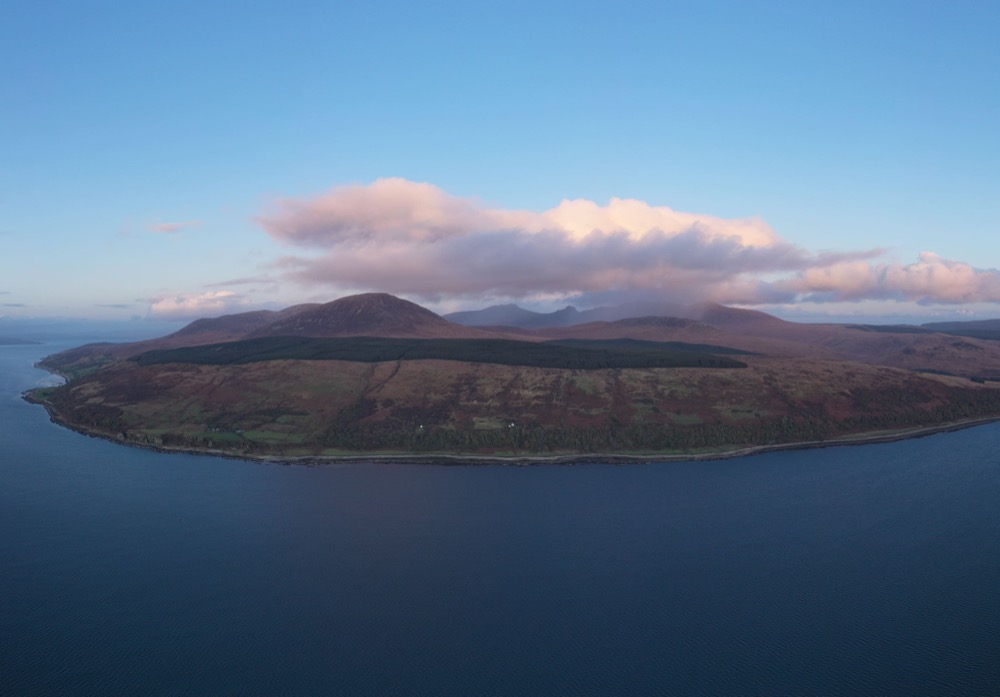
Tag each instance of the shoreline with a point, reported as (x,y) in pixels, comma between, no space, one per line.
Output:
(869,438)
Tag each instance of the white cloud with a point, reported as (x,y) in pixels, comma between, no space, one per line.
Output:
(187,306)
(414,238)
(398,210)
(580,218)
(930,280)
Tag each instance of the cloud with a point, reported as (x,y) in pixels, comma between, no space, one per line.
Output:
(400,211)
(416,239)
(244,281)
(14,305)
(171,228)
(389,210)
(930,280)
(195,305)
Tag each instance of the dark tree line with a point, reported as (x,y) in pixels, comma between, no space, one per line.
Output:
(563,355)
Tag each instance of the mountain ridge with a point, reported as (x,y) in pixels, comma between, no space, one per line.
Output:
(515,316)
(387,316)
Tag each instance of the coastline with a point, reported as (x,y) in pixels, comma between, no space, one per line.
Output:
(869,438)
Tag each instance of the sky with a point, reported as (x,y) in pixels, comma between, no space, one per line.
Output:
(165,161)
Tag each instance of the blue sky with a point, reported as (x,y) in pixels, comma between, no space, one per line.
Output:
(174,159)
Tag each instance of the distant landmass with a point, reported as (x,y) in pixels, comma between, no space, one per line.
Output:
(375,375)
(11,341)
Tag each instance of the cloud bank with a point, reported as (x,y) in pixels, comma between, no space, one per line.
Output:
(414,238)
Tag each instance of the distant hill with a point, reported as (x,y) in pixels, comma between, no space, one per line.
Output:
(726,317)
(11,341)
(977,329)
(641,328)
(515,316)
(984,324)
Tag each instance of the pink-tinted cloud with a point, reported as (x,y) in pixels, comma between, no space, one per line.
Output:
(931,279)
(171,228)
(194,305)
(389,210)
(242,281)
(398,210)
(413,238)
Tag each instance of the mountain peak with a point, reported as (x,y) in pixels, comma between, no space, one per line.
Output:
(366,314)
(380,303)
(724,316)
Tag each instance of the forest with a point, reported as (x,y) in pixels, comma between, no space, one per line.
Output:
(567,354)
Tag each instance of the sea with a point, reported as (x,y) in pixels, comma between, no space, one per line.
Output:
(864,570)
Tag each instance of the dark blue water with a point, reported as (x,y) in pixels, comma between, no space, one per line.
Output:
(846,571)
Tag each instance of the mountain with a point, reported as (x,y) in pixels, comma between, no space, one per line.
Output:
(736,318)
(515,316)
(225,328)
(613,313)
(925,349)
(369,314)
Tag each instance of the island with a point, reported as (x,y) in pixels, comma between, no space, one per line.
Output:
(373,376)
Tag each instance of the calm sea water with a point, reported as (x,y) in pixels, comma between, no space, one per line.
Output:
(845,571)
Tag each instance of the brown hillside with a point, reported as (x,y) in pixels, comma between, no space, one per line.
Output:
(735,317)
(914,351)
(369,314)
(687,330)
